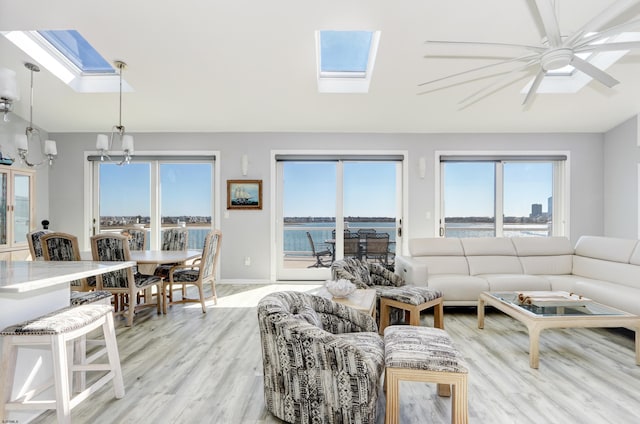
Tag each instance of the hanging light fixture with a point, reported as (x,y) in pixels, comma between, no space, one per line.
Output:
(104,143)
(31,133)
(8,91)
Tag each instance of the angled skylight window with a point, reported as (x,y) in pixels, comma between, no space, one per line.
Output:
(71,58)
(78,50)
(345,60)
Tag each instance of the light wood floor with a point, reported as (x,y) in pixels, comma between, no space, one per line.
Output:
(190,367)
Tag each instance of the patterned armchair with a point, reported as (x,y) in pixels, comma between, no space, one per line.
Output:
(322,360)
(64,247)
(115,247)
(375,276)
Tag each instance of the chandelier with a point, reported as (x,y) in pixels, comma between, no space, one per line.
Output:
(104,143)
(31,133)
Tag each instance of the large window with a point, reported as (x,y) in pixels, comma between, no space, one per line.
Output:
(502,197)
(156,194)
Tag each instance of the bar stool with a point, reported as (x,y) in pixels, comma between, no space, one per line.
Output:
(55,330)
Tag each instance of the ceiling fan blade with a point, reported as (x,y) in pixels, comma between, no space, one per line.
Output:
(497,83)
(479,68)
(601,19)
(608,47)
(482,43)
(549,21)
(627,26)
(533,89)
(593,72)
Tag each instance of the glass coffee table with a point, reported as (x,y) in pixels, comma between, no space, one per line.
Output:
(543,315)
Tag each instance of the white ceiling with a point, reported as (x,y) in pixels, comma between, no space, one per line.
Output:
(239,65)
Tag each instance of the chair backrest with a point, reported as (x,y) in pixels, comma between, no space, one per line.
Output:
(210,254)
(35,247)
(174,239)
(363,231)
(112,247)
(313,247)
(377,243)
(137,238)
(351,244)
(60,247)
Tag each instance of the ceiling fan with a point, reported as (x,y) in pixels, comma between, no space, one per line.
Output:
(555,51)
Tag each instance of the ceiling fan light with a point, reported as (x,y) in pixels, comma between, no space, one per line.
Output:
(556,59)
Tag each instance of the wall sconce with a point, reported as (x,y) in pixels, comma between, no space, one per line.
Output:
(244,164)
(8,91)
(422,167)
(31,133)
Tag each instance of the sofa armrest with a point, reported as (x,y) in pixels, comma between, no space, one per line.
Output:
(412,271)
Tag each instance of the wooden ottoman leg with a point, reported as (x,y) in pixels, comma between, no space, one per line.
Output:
(393,387)
(384,314)
(438,315)
(459,402)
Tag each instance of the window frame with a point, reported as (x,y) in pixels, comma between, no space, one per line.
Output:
(560,190)
(91,179)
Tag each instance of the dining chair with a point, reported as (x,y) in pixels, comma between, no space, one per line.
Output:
(35,246)
(202,271)
(58,246)
(115,247)
(137,238)
(376,247)
(352,245)
(323,257)
(172,239)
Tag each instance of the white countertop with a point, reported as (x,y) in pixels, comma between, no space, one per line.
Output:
(25,276)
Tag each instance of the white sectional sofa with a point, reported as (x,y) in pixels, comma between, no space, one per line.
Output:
(604,269)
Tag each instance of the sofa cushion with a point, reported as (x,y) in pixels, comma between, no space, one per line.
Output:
(615,272)
(606,248)
(610,294)
(435,247)
(513,282)
(458,287)
(494,265)
(542,246)
(444,264)
(488,246)
(536,265)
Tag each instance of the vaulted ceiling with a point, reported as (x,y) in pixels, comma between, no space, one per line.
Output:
(239,65)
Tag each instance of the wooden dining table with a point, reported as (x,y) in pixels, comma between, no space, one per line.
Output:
(148,260)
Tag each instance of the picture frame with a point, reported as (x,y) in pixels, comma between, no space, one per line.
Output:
(244,194)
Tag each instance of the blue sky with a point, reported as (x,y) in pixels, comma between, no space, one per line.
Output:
(310,189)
(469,188)
(185,189)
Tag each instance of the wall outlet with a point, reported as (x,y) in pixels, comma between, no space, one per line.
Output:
(247,261)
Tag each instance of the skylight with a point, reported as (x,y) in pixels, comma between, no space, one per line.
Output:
(78,50)
(71,58)
(345,60)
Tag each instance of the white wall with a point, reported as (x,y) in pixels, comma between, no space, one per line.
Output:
(247,233)
(621,158)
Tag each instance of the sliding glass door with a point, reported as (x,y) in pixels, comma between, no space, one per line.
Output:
(326,208)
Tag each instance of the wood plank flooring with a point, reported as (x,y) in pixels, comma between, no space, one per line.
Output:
(190,367)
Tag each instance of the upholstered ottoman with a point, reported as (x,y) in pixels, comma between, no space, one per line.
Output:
(412,300)
(427,355)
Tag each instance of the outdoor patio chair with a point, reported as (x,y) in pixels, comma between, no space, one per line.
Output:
(323,257)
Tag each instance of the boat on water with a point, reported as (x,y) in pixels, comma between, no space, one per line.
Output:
(242,197)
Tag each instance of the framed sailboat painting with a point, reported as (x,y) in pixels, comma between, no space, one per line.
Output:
(244,194)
